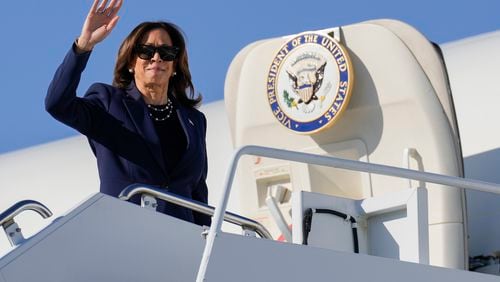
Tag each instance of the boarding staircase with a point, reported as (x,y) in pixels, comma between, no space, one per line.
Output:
(108,239)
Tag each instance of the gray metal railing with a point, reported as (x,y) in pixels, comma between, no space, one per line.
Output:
(328,161)
(11,228)
(245,223)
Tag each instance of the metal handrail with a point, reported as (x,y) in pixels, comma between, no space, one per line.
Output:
(200,207)
(413,153)
(10,226)
(328,161)
(8,215)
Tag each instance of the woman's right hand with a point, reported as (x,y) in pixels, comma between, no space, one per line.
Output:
(101,19)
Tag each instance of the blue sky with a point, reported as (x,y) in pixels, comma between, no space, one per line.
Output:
(37,34)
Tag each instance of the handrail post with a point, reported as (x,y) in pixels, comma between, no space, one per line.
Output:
(219,211)
(413,153)
(13,233)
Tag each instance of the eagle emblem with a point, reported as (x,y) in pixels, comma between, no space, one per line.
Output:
(306,75)
(307,80)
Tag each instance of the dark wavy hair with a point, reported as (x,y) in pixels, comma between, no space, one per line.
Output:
(181,83)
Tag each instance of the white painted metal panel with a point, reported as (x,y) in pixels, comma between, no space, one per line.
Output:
(473,66)
(395,105)
(252,259)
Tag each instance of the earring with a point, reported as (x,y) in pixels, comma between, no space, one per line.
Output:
(174,73)
(130,70)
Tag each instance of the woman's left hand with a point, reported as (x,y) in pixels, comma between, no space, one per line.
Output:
(101,19)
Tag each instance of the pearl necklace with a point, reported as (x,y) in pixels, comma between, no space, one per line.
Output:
(161,112)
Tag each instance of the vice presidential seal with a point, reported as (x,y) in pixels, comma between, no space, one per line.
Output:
(309,83)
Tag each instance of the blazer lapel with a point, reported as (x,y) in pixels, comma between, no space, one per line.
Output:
(138,112)
(186,123)
(188,127)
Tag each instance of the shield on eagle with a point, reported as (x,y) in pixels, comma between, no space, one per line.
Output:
(306,77)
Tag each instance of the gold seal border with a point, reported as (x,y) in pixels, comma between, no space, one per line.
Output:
(348,94)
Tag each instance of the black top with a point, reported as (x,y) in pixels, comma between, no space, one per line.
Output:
(172,138)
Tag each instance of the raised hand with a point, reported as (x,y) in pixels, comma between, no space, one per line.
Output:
(101,19)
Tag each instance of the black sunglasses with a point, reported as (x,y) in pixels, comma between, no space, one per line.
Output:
(146,52)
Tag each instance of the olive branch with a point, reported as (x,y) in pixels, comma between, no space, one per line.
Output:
(290,102)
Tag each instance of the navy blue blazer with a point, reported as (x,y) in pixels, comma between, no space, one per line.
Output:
(124,140)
